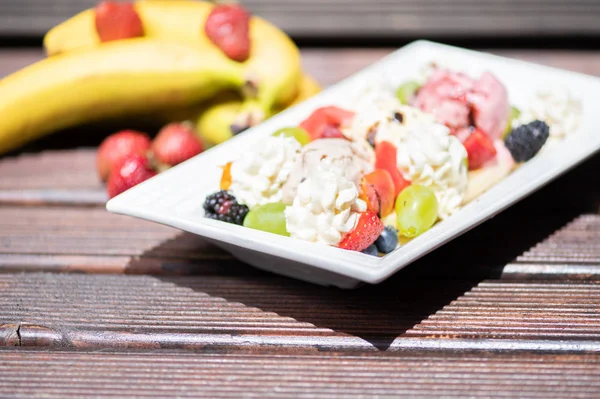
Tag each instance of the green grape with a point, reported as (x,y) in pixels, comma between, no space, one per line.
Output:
(296,132)
(267,217)
(406,91)
(416,210)
(514,114)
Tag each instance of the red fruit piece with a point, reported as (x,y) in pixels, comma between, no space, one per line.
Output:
(368,228)
(115,21)
(385,158)
(379,190)
(118,146)
(175,143)
(321,119)
(331,132)
(131,171)
(228,27)
(480,149)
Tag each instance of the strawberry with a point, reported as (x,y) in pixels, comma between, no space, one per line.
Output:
(175,143)
(368,228)
(117,146)
(116,21)
(332,132)
(379,190)
(480,149)
(228,27)
(319,123)
(131,171)
(385,158)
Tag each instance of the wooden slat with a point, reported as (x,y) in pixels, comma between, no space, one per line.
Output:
(37,373)
(342,18)
(268,312)
(67,239)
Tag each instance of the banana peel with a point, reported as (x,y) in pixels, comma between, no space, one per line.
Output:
(219,121)
(273,69)
(113,80)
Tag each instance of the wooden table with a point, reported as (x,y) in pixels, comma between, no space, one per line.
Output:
(95,304)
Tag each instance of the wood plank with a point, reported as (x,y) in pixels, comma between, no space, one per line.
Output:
(257,313)
(144,374)
(342,18)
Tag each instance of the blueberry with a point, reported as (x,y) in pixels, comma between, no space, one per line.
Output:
(388,240)
(371,250)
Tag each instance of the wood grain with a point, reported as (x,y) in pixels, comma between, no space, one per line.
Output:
(146,374)
(352,18)
(265,312)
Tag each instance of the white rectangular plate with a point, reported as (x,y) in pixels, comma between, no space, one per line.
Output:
(175,197)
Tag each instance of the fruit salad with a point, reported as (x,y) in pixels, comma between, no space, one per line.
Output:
(382,170)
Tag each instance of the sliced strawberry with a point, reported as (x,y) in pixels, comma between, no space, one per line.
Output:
(368,228)
(228,27)
(130,172)
(118,146)
(115,21)
(317,123)
(385,158)
(331,132)
(175,143)
(480,149)
(379,190)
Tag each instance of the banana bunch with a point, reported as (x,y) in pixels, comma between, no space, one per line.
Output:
(173,70)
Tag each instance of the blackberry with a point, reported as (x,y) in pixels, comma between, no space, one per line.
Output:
(224,207)
(525,141)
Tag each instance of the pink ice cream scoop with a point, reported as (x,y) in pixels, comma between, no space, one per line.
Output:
(460,102)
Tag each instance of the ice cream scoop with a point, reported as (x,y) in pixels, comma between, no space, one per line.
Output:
(353,160)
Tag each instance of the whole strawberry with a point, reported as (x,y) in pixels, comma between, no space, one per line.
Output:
(368,228)
(115,21)
(228,27)
(130,172)
(117,147)
(175,143)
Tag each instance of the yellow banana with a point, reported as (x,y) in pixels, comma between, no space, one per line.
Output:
(274,66)
(214,122)
(217,122)
(113,80)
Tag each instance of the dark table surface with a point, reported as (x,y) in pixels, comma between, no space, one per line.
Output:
(96,304)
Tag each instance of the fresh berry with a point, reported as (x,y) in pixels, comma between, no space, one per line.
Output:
(228,27)
(332,132)
(317,124)
(368,228)
(371,250)
(115,21)
(223,206)
(130,172)
(379,191)
(387,240)
(385,158)
(480,149)
(175,143)
(117,147)
(526,140)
